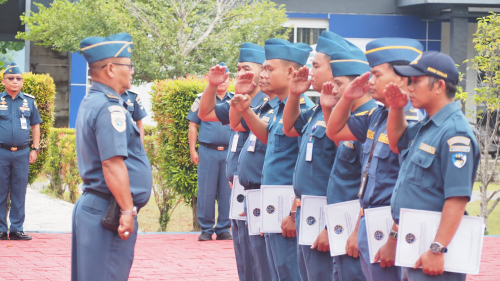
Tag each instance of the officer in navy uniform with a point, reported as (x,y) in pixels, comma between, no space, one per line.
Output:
(18,113)
(441,157)
(136,109)
(282,59)
(345,175)
(317,152)
(380,165)
(112,163)
(250,59)
(211,160)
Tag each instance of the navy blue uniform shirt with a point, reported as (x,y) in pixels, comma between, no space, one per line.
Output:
(311,177)
(11,112)
(211,132)
(384,168)
(222,113)
(104,129)
(282,151)
(440,160)
(134,105)
(345,176)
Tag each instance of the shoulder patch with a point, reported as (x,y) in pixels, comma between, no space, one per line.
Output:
(460,124)
(196,105)
(119,121)
(28,95)
(117,108)
(454,140)
(361,113)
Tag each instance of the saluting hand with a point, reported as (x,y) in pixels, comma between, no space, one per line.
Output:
(358,87)
(432,264)
(329,98)
(33,155)
(241,102)
(217,75)
(127,223)
(288,227)
(300,82)
(395,97)
(351,247)
(244,83)
(387,254)
(322,242)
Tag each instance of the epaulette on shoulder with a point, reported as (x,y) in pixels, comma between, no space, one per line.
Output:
(362,113)
(112,97)
(379,103)
(28,95)
(460,124)
(371,111)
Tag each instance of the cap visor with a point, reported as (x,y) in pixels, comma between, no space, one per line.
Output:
(408,71)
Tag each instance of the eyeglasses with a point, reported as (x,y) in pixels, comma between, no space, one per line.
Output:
(19,79)
(130,66)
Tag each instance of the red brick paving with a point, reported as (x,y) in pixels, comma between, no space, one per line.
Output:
(160,257)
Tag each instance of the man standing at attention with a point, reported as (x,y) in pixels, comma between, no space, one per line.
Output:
(113,165)
(18,113)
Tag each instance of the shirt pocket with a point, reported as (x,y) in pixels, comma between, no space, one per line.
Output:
(138,148)
(319,140)
(4,114)
(280,139)
(346,169)
(27,115)
(419,171)
(381,152)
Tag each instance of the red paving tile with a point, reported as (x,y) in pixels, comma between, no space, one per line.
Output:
(160,257)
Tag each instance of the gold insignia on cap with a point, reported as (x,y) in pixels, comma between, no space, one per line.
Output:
(129,50)
(10,70)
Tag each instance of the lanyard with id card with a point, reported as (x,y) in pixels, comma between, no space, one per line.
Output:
(310,146)
(251,145)
(24,125)
(234,145)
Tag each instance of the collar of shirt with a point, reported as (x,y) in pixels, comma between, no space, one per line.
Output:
(443,113)
(365,107)
(97,86)
(228,96)
(19,95)
(258,99)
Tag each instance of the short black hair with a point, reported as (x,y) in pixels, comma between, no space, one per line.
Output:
(451,89)
(352,77)
(392,64)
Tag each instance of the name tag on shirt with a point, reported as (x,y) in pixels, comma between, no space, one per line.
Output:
(24,125)
(251,144)
(309,151)
(235,142)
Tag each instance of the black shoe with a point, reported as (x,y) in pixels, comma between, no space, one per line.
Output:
(3,235)
(224,236)
(205,236)
(19,235)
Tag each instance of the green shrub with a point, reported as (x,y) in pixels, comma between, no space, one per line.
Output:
(69,167)
(43,88)
(171,102)
(52,167)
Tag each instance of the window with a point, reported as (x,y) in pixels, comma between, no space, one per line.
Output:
(308,35)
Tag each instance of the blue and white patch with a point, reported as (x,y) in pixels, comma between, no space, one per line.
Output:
(240,198)
(459,159)
(118,120)
(310,220)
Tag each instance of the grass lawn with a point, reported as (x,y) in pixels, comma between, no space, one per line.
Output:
(473,209)
(491,186)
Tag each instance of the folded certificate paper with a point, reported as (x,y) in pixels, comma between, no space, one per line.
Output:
(253,211)
(276,204)
(378,226)
(341,219)
(312,218)
(417,230)
(237,198)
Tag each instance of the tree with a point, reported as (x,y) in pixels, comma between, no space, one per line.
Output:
(487,100)
(171,37)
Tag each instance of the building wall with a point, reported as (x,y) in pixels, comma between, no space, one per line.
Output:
(341,6)
(57,65)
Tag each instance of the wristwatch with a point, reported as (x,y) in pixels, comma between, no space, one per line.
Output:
(437,248)
(133,212)
(36,149)
(292,215)
(393,234)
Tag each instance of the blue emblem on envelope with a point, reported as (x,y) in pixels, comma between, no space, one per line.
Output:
(410,238)
(338,229)
(311,220)
(270,209)
(379,235)
(256,212)
(240,198)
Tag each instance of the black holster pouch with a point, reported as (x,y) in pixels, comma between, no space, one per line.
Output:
(111,219)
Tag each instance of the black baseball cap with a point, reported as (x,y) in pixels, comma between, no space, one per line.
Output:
(430,63)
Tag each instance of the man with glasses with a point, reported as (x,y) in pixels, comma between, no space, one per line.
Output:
(18,113)
(113,165)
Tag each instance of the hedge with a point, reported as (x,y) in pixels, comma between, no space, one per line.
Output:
(43,88)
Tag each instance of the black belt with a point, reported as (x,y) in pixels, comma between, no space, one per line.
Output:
(215,147)
(253,186)
(99,194)
(14,148)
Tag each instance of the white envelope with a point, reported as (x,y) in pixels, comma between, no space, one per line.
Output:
(378,226)
(341,219)
(237,198)
(276,204)
(417,230)
(253,211)
(312,218)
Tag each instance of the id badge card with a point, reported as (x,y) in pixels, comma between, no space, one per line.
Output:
(24,125)
(309,151)
(234,145)
(251,145)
